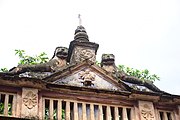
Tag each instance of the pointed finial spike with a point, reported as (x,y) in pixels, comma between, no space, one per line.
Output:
(80,21)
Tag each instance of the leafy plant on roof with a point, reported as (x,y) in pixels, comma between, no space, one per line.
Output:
(141,74)
(31,60)
(42,58)
(3,69)
(26,59)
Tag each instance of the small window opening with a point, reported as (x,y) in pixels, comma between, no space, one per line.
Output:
(88,111)
(104,109)
(46,109)
(128,113)
(71,110)
(112,113)
(120,113)
(169,116)
(96,112)
(161,115)
(10,104)
(63,110)
(55,111)
(80,111)
(2,100)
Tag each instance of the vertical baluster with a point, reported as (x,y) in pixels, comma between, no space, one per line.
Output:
(159,116)
(156,114)
(84,111)
(75,111)
(108,113)
(51,108)
(6,104)
(165,116)
(14,106)
(40,106)
(18,104)
(172,116)
(59,110)
(116,113)
(124,114)
(91,111)
(67,110)
(80,111)
(100,112)
(136,111)
(132,114)
(43,102)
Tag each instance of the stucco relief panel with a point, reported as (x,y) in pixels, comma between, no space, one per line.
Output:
(84,54)
(87,78)
(146,110)
(30,100)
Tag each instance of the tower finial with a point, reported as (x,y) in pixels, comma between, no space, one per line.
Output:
(80,21)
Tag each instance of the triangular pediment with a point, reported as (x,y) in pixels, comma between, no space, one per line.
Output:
(87,75)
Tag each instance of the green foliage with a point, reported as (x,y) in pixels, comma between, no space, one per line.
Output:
(141,74)
(1,108)
(9,108)
(54,114)
(63,114)
(26,59)
(46,114)
(31,60)
(3,70)
(98,63)
(42,58)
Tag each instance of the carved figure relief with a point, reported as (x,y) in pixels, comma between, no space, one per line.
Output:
(147,113)
(84,54)
(30,100)
(87,77)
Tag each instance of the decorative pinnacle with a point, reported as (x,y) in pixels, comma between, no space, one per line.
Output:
(80,21)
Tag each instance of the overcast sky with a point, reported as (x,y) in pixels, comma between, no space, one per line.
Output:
(143,34)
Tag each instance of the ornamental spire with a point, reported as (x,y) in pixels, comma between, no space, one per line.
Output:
(80,33)
(80,21)
(81,48)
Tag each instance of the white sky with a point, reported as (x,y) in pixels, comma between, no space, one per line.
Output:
(143,34)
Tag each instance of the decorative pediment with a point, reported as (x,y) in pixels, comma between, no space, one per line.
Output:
(88,77)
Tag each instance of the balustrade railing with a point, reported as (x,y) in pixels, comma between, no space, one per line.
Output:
(166,115)
(7,104)
(58,109)
(64,109)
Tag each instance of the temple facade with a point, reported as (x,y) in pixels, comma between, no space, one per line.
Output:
(71,86)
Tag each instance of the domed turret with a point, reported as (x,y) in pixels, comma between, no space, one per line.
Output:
(80,34)
(81,48)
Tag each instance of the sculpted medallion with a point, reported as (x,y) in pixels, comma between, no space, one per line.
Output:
(30,100)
